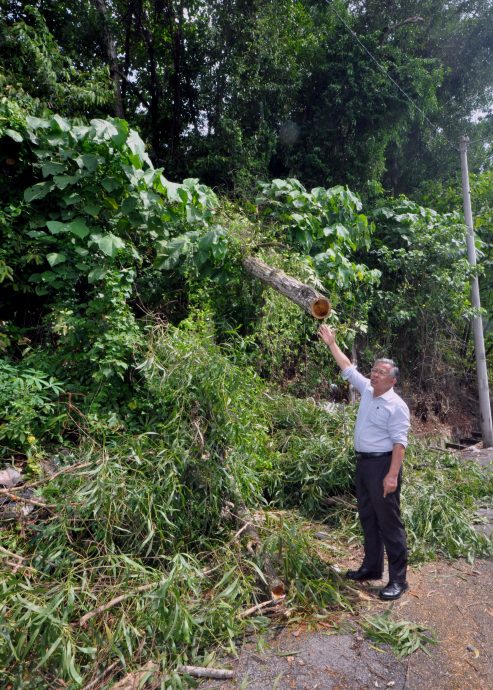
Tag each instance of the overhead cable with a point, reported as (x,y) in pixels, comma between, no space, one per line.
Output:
(385,71)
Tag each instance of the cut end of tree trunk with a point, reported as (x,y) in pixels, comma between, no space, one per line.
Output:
(320,308)
(306,297)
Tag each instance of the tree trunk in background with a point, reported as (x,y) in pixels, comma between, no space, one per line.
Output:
(175,19)
(112,58)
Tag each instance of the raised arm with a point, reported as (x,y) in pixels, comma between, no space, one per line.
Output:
(327,335)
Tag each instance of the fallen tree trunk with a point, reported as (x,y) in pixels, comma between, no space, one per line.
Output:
(303,295)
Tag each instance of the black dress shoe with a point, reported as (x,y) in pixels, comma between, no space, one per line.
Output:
(393,590)
(363,574)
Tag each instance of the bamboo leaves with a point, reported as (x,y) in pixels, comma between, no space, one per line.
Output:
(404,637)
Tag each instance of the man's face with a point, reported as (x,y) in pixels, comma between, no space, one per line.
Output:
(381,379)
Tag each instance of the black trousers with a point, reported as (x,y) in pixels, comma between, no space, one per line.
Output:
(381,518)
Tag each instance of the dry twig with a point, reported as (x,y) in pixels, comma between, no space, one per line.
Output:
(115,601)
(259,607)
(39,482)
(94,683)
(31,501)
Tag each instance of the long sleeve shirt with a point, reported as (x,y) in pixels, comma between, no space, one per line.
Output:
(382,421)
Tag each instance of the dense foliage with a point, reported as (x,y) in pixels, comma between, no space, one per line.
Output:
(230,93)
(163,406)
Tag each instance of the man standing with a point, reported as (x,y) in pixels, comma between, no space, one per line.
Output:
(380,440)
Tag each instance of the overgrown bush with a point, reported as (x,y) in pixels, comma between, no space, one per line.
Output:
(29,407)
(422,305)
(315,450)
(115,282)
(439,496)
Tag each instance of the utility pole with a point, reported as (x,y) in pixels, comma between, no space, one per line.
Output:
(481,369)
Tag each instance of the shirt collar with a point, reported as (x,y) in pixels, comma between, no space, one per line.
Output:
(388,395)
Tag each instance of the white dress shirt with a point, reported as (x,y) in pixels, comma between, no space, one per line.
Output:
(381,422)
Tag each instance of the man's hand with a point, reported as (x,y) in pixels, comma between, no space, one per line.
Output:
(327,335)
(389,484)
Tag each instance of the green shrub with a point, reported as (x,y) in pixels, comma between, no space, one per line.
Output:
(315,454)
(29,407)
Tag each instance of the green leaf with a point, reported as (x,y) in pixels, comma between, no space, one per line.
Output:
(78,227)
(14,135)
(96,274)
(111,203)
(171,188)
(52,168)
(61,124)
(80,131)
(90,161)
(170,253)
(49,653)
(38,191)
(63,181)
(54,226)
(55,258)
(122,133)
(137,146)
(110,184)
(48,276)
(37,122)
(91,651)
(103,129)
(129,205)
(109,244)
(71,199)
(92,209)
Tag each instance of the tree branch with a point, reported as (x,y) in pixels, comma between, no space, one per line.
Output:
(115,601)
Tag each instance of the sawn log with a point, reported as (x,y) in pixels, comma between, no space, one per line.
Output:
(303,295)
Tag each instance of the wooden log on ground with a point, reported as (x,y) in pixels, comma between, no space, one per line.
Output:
(206,672)
(303,295)
(135,679)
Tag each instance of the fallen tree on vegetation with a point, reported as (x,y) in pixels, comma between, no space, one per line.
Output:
(314,303)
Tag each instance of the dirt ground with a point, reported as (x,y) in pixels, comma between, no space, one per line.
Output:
(455,600)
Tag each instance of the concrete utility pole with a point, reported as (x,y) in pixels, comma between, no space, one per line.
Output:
(481,369)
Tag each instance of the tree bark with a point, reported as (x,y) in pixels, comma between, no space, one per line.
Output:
(112,58)
(175,18)
(143,22)
(303,295)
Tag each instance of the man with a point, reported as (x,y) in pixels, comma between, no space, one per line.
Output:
(380,440)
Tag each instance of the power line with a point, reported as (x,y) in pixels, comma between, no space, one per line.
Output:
(483,157)
(385,71)
(475,141)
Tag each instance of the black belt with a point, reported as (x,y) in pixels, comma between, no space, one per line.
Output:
(361,456)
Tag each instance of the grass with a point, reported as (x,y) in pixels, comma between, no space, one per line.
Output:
(439,498)
(404,637)
(141,558)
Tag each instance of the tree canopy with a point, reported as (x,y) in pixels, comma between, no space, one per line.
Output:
(315,90)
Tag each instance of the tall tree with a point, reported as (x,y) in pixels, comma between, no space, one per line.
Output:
(232,91)
(36,70)
(112,56)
